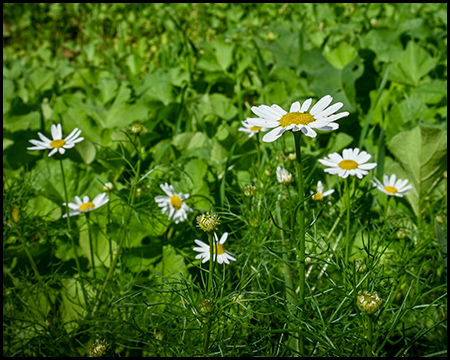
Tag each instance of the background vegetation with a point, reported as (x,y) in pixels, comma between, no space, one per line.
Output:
(189,73)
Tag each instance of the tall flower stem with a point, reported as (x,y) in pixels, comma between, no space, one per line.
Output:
(347,191)
(301,232)
(211,265)
(132,196)
(369,336)
(301,212)
(91,247)
(347,227)
(69,233)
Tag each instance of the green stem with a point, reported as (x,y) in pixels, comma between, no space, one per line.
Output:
(347,228)
(369,337)
(301,212)
(69,234)
(91,247)
(258,157)
(211,265)
(125,228)
(301,241)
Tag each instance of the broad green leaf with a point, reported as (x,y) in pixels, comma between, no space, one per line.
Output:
(340,56)
(42,79)
(421,152)
(108,89)
(432,92)
(222,106)
(86,150)
(171,264)
(156,86)
(412,64)
(224,53)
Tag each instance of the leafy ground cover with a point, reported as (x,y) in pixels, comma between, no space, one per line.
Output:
(159,92)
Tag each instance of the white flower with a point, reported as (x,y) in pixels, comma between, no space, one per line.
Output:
(391,186)
(352,162)
(219,253)
(319,195)
(58,143)
(86,205)
(251,129)
(284,177)
(319,117)
(173,204)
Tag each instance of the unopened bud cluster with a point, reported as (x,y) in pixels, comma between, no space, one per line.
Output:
(208,222)
(98,348)
(250,190)
(369,302)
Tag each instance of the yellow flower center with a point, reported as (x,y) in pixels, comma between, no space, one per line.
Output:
(391,189)
(175,201)
(219,249)
(86,206)
(317,197)
(255,128)
(348,165)
(296,118)
(57,144)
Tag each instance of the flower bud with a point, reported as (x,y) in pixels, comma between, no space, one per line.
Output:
(98,348)
(369,302)
(250,190)
(108,187)
(208,222)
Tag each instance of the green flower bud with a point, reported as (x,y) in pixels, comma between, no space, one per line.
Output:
(369,302)
(98,348)
(208,222)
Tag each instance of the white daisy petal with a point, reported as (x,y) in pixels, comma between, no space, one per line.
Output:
(273,134)
(295,107)
(306,105)
(321,105)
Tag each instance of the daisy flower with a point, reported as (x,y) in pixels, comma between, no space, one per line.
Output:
(173,204)
(86,205)
(352,162)
(298,118)
(392,186)
(319,195)
(251,129)
(219,253)
(58,143)
(284,177)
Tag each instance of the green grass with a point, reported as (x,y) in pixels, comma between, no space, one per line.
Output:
(189,74)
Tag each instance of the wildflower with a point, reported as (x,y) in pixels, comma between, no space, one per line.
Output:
(58,143)
(284,177)
(392,187)
(86,205)
(219,253)
(98,348)
(173,204)
(352,162)
(250,190)
(319,195)
(251,129)
(208,222)
(368,302)
(298,118)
